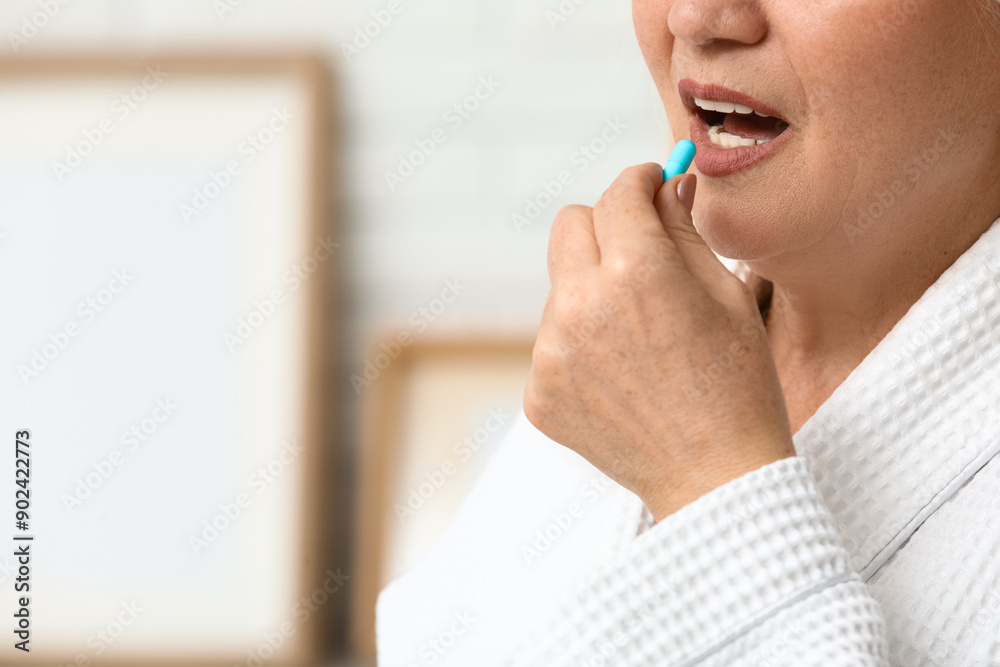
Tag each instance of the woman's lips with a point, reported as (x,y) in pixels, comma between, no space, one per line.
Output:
(717,162)
(713,160)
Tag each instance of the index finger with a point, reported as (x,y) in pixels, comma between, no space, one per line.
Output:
(625,218)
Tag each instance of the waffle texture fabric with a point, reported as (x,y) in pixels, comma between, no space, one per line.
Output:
(877,544)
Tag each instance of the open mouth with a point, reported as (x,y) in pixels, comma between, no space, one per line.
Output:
(731,125)
(732,131)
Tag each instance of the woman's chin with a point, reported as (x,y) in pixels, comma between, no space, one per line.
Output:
(737,235)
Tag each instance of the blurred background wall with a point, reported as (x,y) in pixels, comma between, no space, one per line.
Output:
(456,120)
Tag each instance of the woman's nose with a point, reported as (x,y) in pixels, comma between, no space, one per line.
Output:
(702,22)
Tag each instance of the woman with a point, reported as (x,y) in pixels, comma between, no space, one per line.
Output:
(798,468)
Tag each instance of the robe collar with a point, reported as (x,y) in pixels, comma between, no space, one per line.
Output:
(918,417)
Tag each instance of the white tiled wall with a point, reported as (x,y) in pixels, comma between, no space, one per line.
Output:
(452,219)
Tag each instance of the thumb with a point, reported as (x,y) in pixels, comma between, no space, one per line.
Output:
(686,189)
(673,203)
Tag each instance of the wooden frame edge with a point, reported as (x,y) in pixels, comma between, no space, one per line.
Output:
(377,436)
(311,65)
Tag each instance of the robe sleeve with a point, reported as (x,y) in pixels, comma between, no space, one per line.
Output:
(753,573)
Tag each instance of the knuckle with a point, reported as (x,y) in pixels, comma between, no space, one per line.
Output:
(570,212)
(610,197)
(636,174)
(620,268)
(534,408)
(628,181)
(568,311)
(634,177)
(547,361)
(539,399)
(568,217)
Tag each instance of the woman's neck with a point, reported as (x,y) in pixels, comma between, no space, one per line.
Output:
(823,321)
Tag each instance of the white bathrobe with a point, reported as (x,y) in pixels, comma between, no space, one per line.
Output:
(878,544)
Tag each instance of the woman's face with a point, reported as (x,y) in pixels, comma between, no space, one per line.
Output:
(892,111)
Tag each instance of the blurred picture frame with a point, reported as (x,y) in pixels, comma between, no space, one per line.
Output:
(433,412)
(161,162)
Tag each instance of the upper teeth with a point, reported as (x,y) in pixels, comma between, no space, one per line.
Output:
(725,107)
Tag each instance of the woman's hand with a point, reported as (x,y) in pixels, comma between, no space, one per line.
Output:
(651,360)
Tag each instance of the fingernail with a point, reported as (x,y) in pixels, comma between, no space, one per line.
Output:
(685,191)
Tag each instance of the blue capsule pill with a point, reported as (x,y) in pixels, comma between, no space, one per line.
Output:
(680,159)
